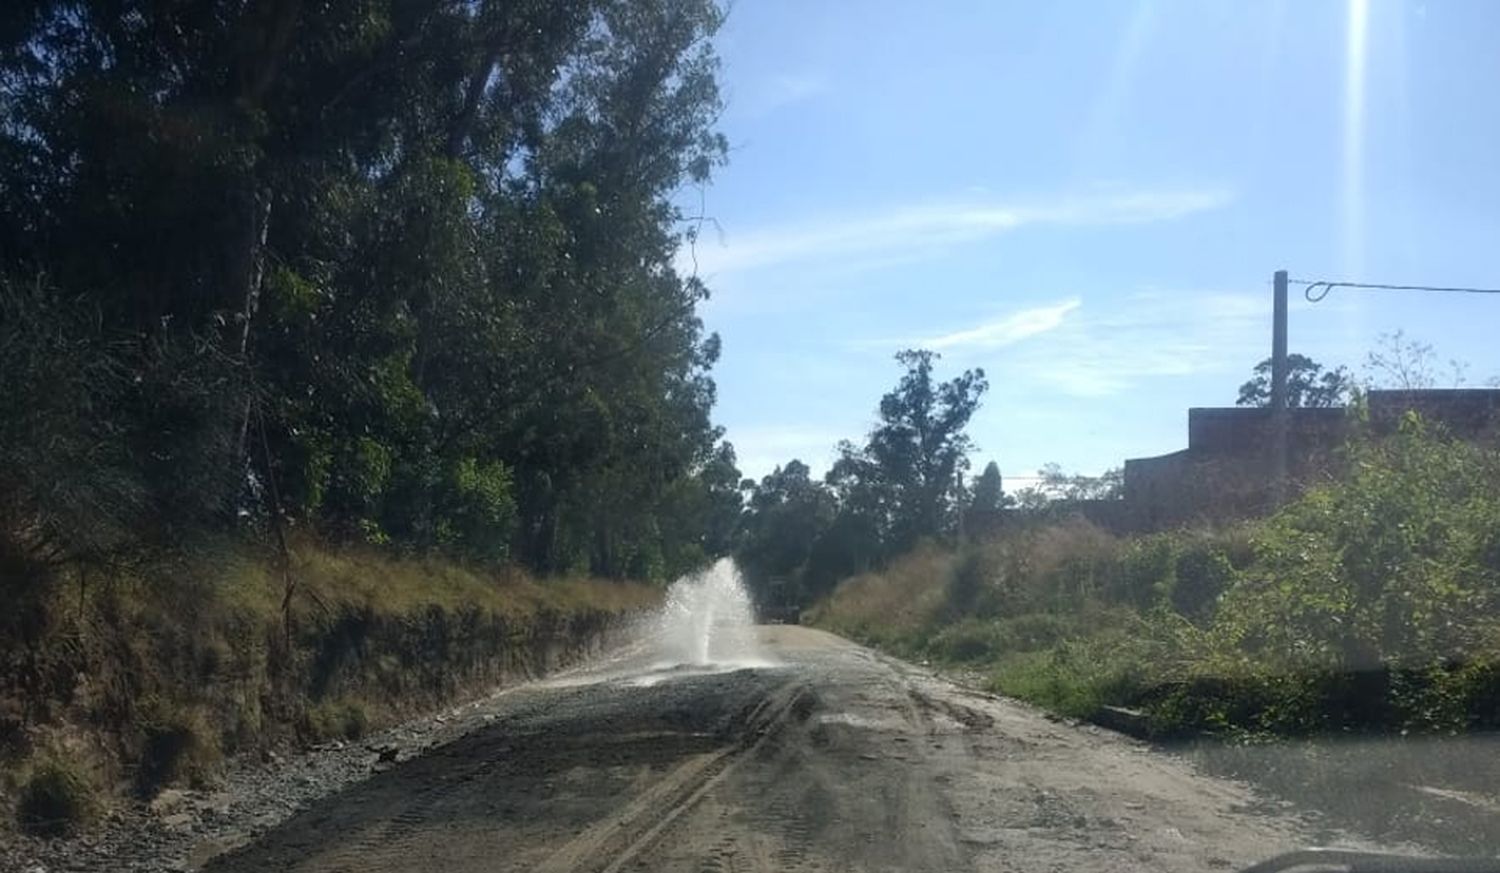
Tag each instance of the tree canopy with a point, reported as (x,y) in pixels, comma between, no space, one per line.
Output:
(903,485)
(1307,384)
(394,271)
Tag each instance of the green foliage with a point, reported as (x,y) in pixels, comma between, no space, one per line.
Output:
(1201,574)
(967,641)
(903,486)
(1369,602)
(482,510)
(789,513)
(1307,384)
(906,479)
(1077,676)
(965,584)
(989,490)
(57,798)
(402,274)
(1145,571)
(68,487)
(1395,566)
(986,510)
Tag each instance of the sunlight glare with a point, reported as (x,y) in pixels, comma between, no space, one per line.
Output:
(1355,54)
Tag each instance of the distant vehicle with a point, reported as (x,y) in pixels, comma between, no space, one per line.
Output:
(780,604)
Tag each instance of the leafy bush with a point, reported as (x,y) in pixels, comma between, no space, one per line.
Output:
(965,583)
(1076,677)
(1033,631)
(57,799)
(69,486)
(1201,573)
(482,509)
(1373,601)
(969,640)
(1145,571)
(1394,567)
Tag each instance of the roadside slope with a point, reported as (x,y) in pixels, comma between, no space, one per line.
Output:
(153,677)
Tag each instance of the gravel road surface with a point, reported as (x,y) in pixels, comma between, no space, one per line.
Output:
(823,756)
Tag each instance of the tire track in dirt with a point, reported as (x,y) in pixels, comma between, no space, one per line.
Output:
(576,781)
(650,815)
(839,760)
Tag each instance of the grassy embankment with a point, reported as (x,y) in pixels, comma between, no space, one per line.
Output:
(1369,604)
(153,675)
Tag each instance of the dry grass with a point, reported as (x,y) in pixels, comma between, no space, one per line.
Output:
(366,579)
(895,605)
(162,668)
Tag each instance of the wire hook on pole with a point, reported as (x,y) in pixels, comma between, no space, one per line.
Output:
(1315,290)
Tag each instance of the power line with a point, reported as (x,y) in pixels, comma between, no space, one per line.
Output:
(1316,290)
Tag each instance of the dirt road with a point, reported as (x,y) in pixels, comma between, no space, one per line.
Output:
(833,758)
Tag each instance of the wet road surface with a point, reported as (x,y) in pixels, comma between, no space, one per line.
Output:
(823,756)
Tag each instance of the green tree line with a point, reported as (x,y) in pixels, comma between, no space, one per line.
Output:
(396,271)
(903,485)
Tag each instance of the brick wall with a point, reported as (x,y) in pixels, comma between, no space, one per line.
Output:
(1225,472)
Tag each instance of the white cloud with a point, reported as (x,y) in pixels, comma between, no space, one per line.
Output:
(1158,335)
(1113,347)
(760,449)
(1006,331)
(924,230)
(776,92)
(795,87)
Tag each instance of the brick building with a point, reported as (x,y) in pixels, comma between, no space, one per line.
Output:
(1226,471)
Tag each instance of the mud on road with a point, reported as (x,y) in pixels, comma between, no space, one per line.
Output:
(833,759)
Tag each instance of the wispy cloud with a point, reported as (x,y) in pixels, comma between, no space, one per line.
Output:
(926,229)
(1147,336)
(776,92)
(1007,330)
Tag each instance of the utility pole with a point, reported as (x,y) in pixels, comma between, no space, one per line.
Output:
(1278,388)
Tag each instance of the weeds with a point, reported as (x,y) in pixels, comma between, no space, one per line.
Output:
(57,799)
(178,747)
(185,657)
(342,720)
(1369,603)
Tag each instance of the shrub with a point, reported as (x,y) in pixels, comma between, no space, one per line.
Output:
(1069,679)
(1368,602)
(177,747)
(1200,574)
(1061,567)
(968,641)
(1033,631)
(964,584)
(57,799)
(341,719)
(1145,572)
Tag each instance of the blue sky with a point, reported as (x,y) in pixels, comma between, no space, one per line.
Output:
(1087,199)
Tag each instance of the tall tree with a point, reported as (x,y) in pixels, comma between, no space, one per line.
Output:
(988,503)
(412,262)
(989,490)
(787,512)
(1307,384)
(908,475)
